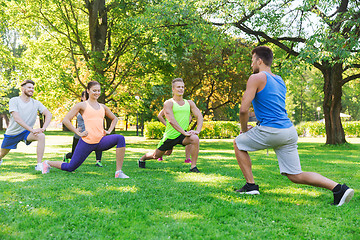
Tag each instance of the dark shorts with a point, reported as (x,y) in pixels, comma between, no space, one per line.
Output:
(168,144)
(11,141)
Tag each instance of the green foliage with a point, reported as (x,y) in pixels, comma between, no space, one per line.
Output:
(352,129)
(211,129)
(220,129)
(154,130)
(317,129)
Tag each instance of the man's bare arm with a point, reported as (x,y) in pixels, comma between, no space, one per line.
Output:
(170,117)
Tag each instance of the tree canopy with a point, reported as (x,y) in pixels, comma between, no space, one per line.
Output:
(324,33)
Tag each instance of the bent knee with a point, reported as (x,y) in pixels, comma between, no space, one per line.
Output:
(40,136)
(68,167)
(295,178)
(194,138)
(121,141)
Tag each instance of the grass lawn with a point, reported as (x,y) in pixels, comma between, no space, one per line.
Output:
(165,201)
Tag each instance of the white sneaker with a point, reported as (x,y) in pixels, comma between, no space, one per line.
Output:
(120,174)
(39,167)
(45,167)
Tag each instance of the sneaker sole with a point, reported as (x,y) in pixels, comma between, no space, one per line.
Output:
(123,177)
(254,192)
(349,193)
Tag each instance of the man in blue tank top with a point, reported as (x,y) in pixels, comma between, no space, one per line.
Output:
(267,91)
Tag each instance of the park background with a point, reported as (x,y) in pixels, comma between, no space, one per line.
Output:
(134,49)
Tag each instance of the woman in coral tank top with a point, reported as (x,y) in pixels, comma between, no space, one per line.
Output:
(95,137)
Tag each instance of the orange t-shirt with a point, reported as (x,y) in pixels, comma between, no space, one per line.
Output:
(94,124)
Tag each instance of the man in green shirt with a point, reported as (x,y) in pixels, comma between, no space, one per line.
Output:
(177,112)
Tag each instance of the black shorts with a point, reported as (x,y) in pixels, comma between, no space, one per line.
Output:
(169,144)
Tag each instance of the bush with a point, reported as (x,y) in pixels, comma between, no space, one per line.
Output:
(227,129)
(154,130)
(220,129)
(352,129)
(316,129)
(212,129)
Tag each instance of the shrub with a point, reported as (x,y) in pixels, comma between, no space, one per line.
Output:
(316,129)
(227,129)
(212,129)
(352,129)
(220,129)
(301,129)
(154,130)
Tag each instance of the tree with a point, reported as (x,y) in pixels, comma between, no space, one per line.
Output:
(10,51)
(213,64)
(324,33)
(73,41)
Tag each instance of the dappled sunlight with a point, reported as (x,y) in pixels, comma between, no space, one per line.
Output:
(95,173)
(295,190)
(341,162)
(212,179)
(68,196)
(18,177)
(295,201)
(217,151)
(40,211)
(82,192)
(181,215)
(217,158)
(131,189)
(240,198)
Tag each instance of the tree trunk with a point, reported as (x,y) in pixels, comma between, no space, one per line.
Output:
(332,103)
(97,24)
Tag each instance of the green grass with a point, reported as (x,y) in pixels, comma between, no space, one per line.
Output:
(164,201)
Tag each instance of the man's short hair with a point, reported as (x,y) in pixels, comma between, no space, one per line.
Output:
(264,53)
(177,80)
(26,82)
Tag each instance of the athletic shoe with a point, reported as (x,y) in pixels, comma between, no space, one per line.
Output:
(188,160)
(1,162)
(45,167)
(141,164)
(65,159)
(343,196)
(39,167)
(120,174)
(194,169)
(249,189)
(98,164)
(160,159)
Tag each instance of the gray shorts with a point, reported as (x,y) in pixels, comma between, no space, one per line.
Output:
(282,140)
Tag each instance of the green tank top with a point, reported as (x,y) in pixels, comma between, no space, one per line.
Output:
(182,116)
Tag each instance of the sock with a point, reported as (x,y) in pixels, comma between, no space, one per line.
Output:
(337,188)
(251,184)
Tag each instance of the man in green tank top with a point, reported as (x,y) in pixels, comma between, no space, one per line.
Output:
(177,112)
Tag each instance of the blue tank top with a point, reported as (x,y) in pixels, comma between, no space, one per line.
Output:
(269,103)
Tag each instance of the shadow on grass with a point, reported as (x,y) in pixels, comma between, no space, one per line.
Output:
(91,203)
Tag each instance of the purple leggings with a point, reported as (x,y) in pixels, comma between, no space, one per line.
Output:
(83,150)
